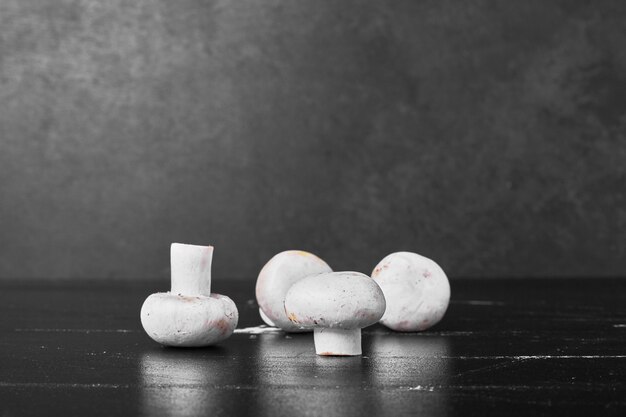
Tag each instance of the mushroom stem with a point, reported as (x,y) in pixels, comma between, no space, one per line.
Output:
(191,269)
(337,342)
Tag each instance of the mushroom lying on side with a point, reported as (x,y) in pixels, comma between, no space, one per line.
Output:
(189,315)
(275,279)
(336,306)
(416,289)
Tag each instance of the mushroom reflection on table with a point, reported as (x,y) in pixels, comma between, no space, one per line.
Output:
(174,382)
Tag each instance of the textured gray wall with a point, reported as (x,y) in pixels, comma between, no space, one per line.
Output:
(489,136)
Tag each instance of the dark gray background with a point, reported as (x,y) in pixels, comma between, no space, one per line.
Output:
(489,136)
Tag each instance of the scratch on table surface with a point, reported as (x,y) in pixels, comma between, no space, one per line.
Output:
(620,325)
(60,385)
(76,330)
(379,331)
(478,302)
(525,357)
(258,330)
(429,388)
(491,367)
(511,357)
(308,388)
(512,387)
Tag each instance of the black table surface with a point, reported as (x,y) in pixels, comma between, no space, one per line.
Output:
(520,347)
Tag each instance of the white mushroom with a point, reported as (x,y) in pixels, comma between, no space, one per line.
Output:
(336,305)
(416,289)
(275,279)
(189,315)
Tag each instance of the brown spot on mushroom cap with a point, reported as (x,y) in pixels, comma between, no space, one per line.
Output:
(292,317)
(379,269)
(402,326)
(187,299)
(367,315)
(223,326)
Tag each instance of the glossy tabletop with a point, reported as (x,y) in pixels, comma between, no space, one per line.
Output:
(515,347)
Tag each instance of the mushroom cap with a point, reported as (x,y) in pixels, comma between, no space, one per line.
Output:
(275,279)
(178,320)
(416,289)
(340,300)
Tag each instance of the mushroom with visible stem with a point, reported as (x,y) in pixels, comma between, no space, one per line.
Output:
(275,279)
(189,315)
(416,289)
(336,306)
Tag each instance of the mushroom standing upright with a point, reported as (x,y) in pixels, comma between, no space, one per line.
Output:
(275,279)
(336,306)
(416,289)
(189,315)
